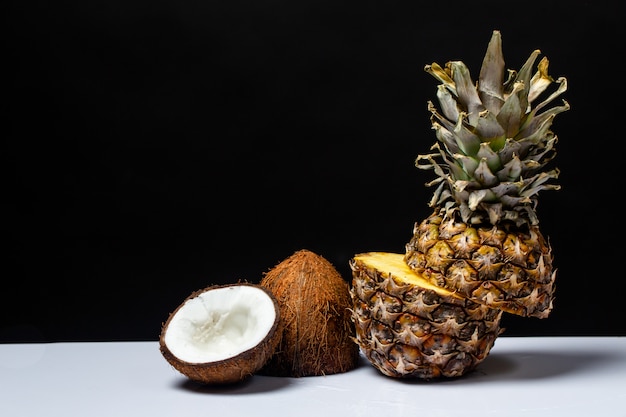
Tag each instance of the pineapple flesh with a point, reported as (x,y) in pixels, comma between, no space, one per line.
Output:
(409,328)
(494,145)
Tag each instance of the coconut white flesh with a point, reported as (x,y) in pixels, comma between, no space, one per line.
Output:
(220,323)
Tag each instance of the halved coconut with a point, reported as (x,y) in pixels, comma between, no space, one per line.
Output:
(222,334)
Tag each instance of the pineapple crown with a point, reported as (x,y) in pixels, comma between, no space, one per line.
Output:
(494,141)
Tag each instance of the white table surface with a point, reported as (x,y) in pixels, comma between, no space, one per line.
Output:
(539,376)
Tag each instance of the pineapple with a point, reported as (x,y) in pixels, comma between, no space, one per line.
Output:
(494,142)
(409,328)
(435,310)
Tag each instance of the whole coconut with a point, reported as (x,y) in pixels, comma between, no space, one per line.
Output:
(315,309)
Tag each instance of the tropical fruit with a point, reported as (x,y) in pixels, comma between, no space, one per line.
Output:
(222,334)
(481,251)
(317,332)
(410,328)
(491,161)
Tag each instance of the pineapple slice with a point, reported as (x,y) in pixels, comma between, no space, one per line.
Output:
(410,328)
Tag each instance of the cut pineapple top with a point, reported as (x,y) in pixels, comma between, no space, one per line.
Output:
(494,138)
(392,264)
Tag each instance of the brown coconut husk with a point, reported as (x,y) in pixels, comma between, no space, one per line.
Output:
(314,302)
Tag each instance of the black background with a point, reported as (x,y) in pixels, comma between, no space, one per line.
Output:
(153,148)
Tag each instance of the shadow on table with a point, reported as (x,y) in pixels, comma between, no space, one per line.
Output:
(537,364)
(253,385)
(497,367)
(256,384)
(529,365)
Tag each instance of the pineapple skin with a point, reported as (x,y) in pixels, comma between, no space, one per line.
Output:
(407,328)
(502,266)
